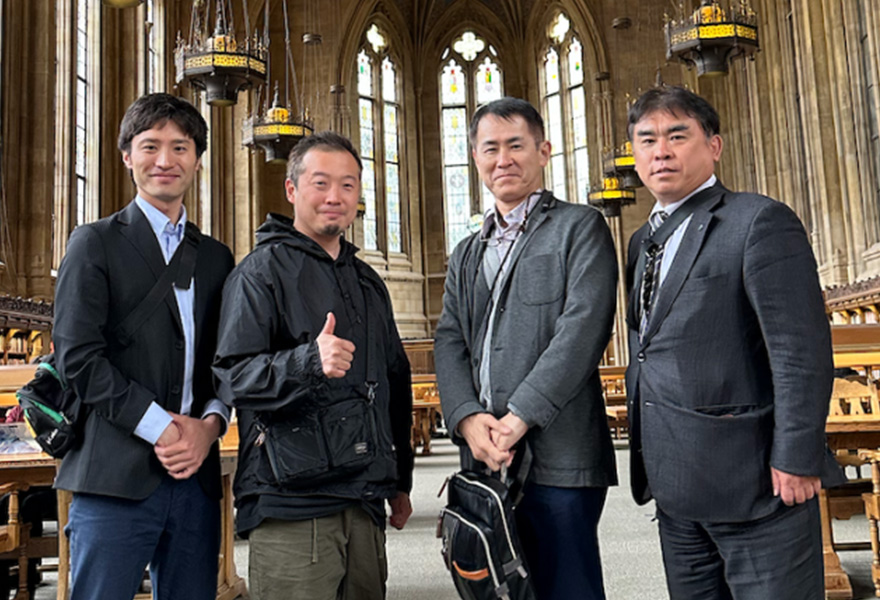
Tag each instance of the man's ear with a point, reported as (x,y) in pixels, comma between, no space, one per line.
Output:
(717,145)
(290,190)
(126,159)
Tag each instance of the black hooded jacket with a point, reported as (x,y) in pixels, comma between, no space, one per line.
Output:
(275,304)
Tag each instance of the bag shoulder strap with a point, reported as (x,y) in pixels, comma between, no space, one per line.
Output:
(179,272)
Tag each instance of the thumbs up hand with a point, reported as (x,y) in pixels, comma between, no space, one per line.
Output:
(336,353)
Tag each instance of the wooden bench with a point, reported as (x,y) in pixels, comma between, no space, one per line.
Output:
(614,391)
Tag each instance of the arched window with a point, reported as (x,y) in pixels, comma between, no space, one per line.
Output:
(565,112)
(380,125)
(469,76)
(77,101)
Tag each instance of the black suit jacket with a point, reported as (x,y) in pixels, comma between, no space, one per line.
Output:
(734,373)
(110,266)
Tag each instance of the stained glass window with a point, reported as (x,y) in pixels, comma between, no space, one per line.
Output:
(470,75)
(565,113)
(153,25)
(379,118)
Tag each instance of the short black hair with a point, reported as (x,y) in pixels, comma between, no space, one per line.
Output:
(507,108)
(674,99)
(328,141)
(151,110)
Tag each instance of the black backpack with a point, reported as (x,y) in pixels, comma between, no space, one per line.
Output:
(481,547)
(51,409)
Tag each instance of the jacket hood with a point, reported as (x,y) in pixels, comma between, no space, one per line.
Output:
(278,229)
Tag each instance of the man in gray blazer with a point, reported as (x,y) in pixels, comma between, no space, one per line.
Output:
(527,314)
(730,369)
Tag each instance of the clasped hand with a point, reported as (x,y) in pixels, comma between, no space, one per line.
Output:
(491,440)
(184,445)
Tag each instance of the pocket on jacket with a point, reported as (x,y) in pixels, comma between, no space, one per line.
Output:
(708,467)
(540,279)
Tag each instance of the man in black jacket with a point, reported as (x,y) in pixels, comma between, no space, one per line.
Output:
(309,355)
(146,476)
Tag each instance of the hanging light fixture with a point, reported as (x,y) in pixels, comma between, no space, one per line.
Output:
(710,37)
(122,3)
(619,164)
(214,62)
(611,197)
(276,129)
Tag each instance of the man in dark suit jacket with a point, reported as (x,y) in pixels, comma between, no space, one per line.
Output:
(146,476)
(730,369)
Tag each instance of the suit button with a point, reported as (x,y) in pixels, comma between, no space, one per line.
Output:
(641,357)
(179,344)
(175,390)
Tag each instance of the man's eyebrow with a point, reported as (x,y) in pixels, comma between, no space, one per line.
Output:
(673,129)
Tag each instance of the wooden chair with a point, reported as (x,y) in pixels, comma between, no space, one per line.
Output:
(872,511)
(14,537)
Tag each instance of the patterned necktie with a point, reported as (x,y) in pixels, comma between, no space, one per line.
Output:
(651,276)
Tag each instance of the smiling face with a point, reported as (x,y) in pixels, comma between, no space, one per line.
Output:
(163,164)
(673,154)
(325,196)
(509,159)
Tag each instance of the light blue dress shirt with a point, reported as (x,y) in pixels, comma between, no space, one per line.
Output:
(156,419)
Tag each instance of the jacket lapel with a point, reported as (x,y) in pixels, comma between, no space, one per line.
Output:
(136,229)
(691,244)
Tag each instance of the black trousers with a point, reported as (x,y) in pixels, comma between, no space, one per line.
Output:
(558,530)
(778,557)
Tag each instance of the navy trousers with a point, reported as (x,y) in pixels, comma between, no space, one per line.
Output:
(778,557)
(176,530)
(558,528)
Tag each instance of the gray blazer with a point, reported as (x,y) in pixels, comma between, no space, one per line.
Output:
(553,322)
(734,372)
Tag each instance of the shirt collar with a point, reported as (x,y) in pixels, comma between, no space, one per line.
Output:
(158,221)
(671,208)
(513,219)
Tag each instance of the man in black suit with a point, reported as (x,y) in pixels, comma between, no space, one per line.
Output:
(146,476)
(730,369)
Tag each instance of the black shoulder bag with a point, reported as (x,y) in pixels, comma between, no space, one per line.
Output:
(51,408)
(324,445)
(481,547)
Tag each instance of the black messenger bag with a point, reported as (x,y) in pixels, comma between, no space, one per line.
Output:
(480,547)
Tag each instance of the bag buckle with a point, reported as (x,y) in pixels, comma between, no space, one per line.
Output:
(371,390)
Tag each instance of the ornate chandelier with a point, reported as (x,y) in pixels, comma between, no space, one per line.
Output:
(711,37)
(215,62)
(611,197)
(276,129)
(619,164)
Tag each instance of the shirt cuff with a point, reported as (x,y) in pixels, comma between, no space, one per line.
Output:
(153,423)
(216,407)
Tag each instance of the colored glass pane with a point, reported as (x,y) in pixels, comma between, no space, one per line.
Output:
(390,129)
(457,204)
(365,118)
(392,202)
(368,188)
(454,87)
(554,124)
(557,175)
(551,71)
(365,74)
(488,82)
(389,81)
(559,28)
(578,117)
(575,63)
(454,136)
